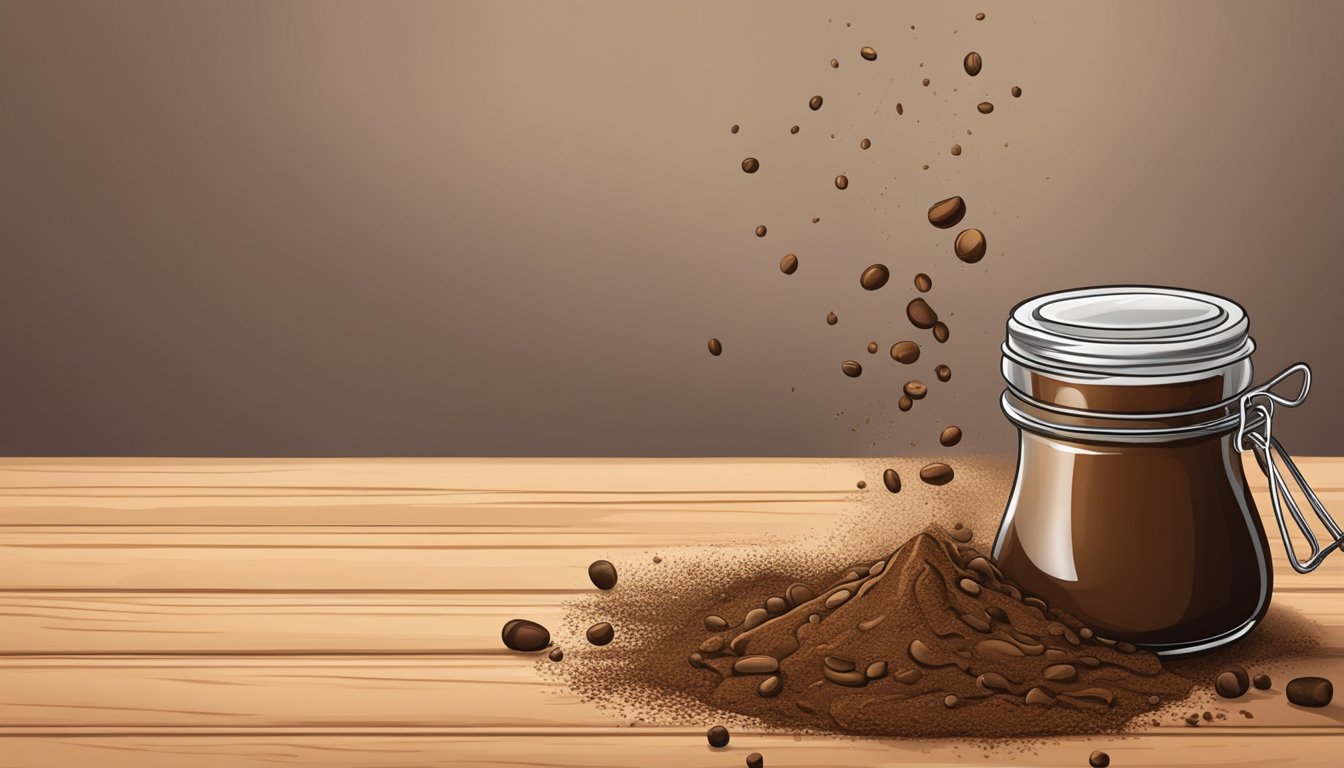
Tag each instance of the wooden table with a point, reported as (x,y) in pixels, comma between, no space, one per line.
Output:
(201,613)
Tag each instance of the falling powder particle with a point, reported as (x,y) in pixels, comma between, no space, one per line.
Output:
(831,319)
(734,129)
(926,82)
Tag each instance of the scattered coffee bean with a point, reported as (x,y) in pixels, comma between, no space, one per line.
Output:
(1016,92)
(794,129)
(837,598)
(985,107)
(734,129)
(754,760)
(1098,759)
(979,17)
(972,63)
(955,151)
(697,660)
(923,283)
(603,573)
(874,277)
(900,110)
(770,686)
(905,352)
(950,700)
(978,623)
(755,618)
(905,403)
(865,144)
(1310,691)
(717,737)
(839,663)
(814,103)
(926,82)
(797,594)
(909,676)
(715,347)
(915,390)
(842,182)
(1229,685)
(941,333)
(950,436)
(1262,682)
(524,636)
(600,633)
(851,368)
(936,474)
(861,485)
(872,347)
(969,587)
(556,654)
(970,246)
(789,264)
(891,480)
(1085,633)
(1208,716)
(756,665)
(835,64)
(776,606)
(760,230)
(715,623)
(852,678)
(1038,696)
(868,53)
(943,373)
(946,214)
(751,165)
(1060,673)
(921,315)
(876,671)
(831,319)
(657,559)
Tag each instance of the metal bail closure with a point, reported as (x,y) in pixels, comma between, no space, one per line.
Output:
(1254,434)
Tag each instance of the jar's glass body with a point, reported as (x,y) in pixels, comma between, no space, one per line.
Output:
(1158,544)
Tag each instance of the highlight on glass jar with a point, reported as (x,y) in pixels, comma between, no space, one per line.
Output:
(1130,509)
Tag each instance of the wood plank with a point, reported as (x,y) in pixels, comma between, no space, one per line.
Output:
(45,623)
(465,692)
(641,748)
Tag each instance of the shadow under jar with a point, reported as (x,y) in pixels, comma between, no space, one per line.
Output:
(1131,510)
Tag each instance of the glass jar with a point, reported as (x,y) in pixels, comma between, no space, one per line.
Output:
(1131,510)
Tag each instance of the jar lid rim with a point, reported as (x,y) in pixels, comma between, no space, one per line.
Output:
(1128,330)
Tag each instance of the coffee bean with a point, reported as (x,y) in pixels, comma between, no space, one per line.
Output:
(1017,92)
(525,636)
(794,129)
(734,129)
(972,63)
(969,587)
(715,623)
(891,480)
(696,660)
(865,144)
(835,64)
(754,760)
(978,623)
(1154,700)
(915,390)
(926,82)
(936,474)
(874,277)
(837,598)
(1038,696)
(923,283)
(717,737)
(851,368)
(1097,696)
(905,352)
(815,220)
(955,150)
(921,315)
(992,681)
(1085,633)
(950,701)
(852,679)
(970,246)
(600,633)
(755,665)
(797,594)
(960,533)
(841,182)
(712,645)
(909,676)
(789,264)
(979,17)
(943,373)
(941,333)
(1262,682)
(760,230)
(715,347)
(1060,673)
(946,214)
(831,319)
(876,671)
(1036,602)
(776,606)
(1229,685)
(950,436)
(872,347)
(556,654)
(861,485)
(751,165)
(868,53)
(755,618)
(997,613)
(814,103)
(905,403)
(603,573)
(770,686)
(839,663)
(900,110)
(1098,759)
(1310,691)
(985,107)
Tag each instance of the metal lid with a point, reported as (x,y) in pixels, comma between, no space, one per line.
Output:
(1125,332)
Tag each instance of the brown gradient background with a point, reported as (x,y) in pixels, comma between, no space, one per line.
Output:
(507,228)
